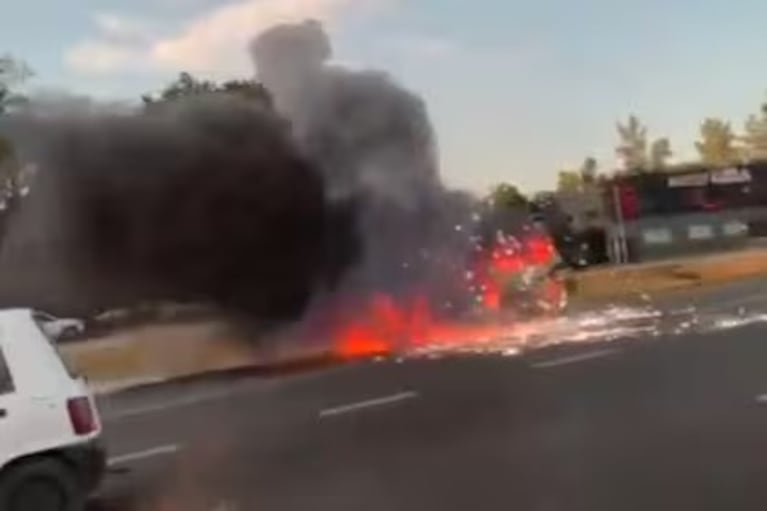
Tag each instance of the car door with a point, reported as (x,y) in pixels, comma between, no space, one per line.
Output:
(45,385)
(9,412)
(37,417)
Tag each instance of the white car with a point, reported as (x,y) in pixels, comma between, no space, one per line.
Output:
(51,457)
(59,328)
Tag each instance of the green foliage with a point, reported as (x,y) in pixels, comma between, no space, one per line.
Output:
(508,196)
(755,137)
(636,152)
(579,180)
(187,85)
(632,148)
(12,73)
(589,171)
(660,152)
(12,189)
(717,144)
(6,150)
(569,181)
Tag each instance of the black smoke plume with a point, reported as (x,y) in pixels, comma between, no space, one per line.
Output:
(374,142)
(203,200)
(220,199)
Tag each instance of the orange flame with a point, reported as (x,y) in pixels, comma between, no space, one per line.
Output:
(386,326)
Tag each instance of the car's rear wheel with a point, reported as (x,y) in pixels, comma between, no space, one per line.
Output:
(43,484)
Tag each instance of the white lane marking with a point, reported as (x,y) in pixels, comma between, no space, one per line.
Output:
(370,403)
(255,385)
(574,359)
(761,399)
(170,405)
(163,450)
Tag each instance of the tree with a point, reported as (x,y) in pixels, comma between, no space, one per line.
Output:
(589,171)
(660,152)
(12,72)
(635,152)
(569,181)
(6,151)
(12,186)
(755,138)
(579,180)
(632,149)
(187,85)
(508,196)
(502,210)
(248,89)
(717,143)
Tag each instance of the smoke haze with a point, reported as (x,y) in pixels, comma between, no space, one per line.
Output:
(205,199)
(220,199)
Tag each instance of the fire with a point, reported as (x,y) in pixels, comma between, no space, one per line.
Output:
(509,257)
(388,325)
(384,327)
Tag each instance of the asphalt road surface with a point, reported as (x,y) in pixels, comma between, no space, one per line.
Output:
(672,422)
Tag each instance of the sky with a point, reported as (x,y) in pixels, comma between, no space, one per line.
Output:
(517,90)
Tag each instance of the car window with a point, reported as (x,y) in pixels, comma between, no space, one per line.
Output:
(6,380)
(68,365)
(41,316)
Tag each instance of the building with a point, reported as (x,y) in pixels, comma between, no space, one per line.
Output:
(696,210)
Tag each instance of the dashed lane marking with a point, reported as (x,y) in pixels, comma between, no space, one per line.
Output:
(369,403)
(574,359)
(154,452)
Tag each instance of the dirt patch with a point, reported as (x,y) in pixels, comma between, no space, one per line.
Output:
(608,283)
(159,353)
(162,352)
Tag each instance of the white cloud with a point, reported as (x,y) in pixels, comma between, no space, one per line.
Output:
(114,27)
(214,42)
(119,46)
(103,57)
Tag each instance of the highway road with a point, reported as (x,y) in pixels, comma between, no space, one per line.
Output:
(664,422)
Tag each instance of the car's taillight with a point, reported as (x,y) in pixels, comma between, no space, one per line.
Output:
(81,415)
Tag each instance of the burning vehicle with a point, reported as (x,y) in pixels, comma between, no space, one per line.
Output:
(507,280)
(519,276)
